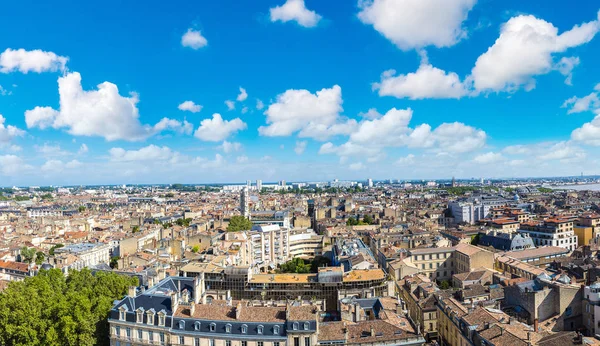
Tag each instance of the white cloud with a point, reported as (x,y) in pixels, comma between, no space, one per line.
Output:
(244,110)
(102,112)
(311,115)
(229,147)
(217,129)
(48,150)
(561,151)
(241,159)
(300,147)
(517,149)
(243,95)
(83,149)
(4,92)
(8,132)
(164,124)
(488,158)
(41,117)
(259,104)
(148,153)
(588,133)
(230,105)
(190,106)
(414,24)
(31,61)
(372,113)
(12,165)
(565,66)
(426,82)
(583,104)
(357,166)
(406,160)
(295,10)
(193,39)
(524,50)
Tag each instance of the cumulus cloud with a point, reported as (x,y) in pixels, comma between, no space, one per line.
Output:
(193,39)
(295,10)
(183,127)
(148,153)
(588,133)
(217,129)
(310,115)
(242,96)
(489,157)
(426,82)
(102,112)
(531,42)
(357,166)
(12,165)
(8,132)
(259,104)
(565,66)
(583,104)
(229,147)
(83,149)
(406,160)
(561,151)
(230,105)
(190,106)
(57,166)
(31,61)
(300,147)
(411,24)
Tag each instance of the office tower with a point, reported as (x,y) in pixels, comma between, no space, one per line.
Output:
(259,185)
(370,182)
(248,183)
(244,203)
(282,183)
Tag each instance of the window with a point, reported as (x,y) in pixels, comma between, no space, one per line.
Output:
(307,341)
(295,326)
(260,329)
(117,330)
(276,330)
(296,341)
(128,332)
(181,340)
(151,335)
(213,327)
(211,342)
(244,343)
(227,342)
(140,333)
(260,343)
(122,314)
(244,329)
(139,316)
(161,319)
(276,343)
(197,326)
(162,338)
(228,328)
(149,317)
(306,326)
(181,324)
(197,342)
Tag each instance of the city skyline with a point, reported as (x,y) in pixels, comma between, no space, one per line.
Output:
(301,90)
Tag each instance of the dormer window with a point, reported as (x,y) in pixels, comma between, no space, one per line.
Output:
(139,316)
(181,324)
(306,326)
(276,330)
(228,328)
(122,313)
(161,319)
(213,327)
(150,317)
(197,326)
(244,329)
(260,329)
(295,326)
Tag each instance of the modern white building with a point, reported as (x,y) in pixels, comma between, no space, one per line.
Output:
(305,243)
(88,254)
(269,245)
(244,203)
(472,209)
(556,231)
(258,185)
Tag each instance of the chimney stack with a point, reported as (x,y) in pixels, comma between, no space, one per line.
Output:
(372,331)
(238,310)
(132,291)
(174,301)
(535,325)
(192,309)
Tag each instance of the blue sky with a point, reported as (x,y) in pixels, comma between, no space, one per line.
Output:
(478,89)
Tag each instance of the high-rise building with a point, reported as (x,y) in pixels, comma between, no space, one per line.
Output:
(248,183)
(244,203)
(259,185)
(370,182)
(282,183)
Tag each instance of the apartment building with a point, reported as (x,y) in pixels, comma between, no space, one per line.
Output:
(472,209)
(468,258)
(305,243)
(88,254)
(555,231)
(269,245)
(435,263)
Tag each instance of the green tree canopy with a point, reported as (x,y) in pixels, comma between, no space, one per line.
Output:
(51,251)
(368,219)
(54,310)
(27,255)
(239,223)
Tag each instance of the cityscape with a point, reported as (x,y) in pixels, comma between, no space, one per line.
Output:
(300,173)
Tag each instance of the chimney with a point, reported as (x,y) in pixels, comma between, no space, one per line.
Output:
(287,310)
(198,288)
(174,301)
(192,309)
(372,331)
(535,325)
(132,291)
(345,330)
(238,310)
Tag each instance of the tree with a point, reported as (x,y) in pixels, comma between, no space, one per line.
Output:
(475,239)
(51,309)
(81,209)
(239,223)
(195,249)
(135,229)
(351,222)
(39,258)
(368,219)
(114,262)
(444,285)
(296,265)
(51,252)
(27,255)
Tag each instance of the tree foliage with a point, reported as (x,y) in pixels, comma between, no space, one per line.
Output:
(27,254)
(239,223)
(300,266)
(184,222)
(51,309)
(51,251)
